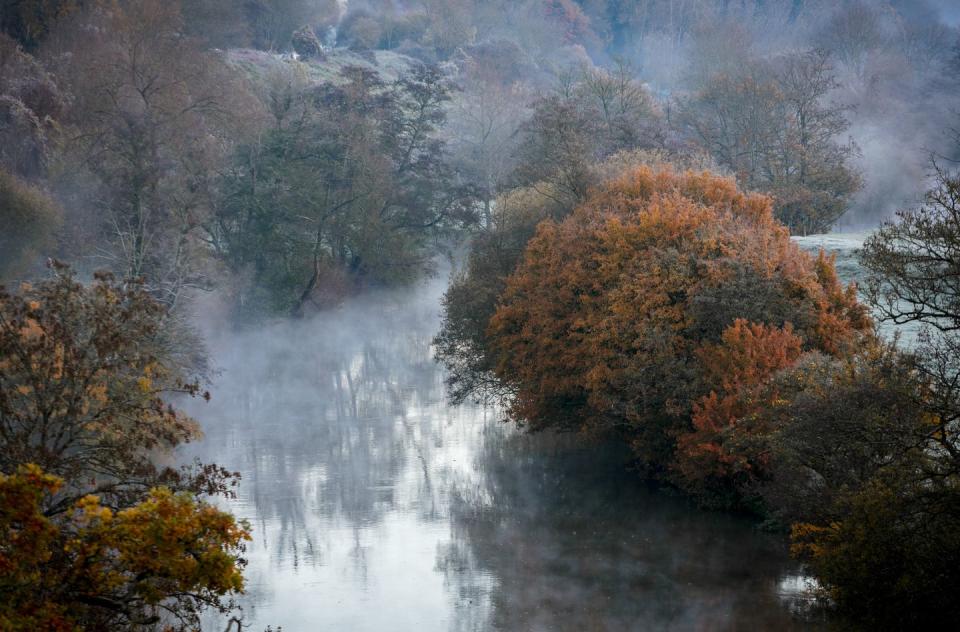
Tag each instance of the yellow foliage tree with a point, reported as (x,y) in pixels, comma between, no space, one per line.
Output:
(95,535)
(96,568)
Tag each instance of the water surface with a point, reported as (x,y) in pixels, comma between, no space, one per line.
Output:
(375,505)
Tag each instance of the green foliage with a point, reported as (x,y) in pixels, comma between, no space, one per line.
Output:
(351,181)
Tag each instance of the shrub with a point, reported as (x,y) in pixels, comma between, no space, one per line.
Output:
(30,220)
(306,44)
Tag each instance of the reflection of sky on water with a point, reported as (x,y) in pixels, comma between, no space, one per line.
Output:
(376,506)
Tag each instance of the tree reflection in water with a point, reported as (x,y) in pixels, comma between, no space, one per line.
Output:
(376,506)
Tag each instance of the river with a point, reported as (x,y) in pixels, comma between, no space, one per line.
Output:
(377,506)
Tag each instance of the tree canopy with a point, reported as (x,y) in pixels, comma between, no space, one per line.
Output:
(93,532)
(613,316)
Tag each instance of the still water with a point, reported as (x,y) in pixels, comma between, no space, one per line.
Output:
(375,505)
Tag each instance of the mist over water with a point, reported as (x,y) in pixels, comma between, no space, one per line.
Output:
(375,505)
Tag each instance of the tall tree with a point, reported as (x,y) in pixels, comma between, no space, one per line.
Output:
(770,125)
(94,534)
(485,118)
(148,122)
(352,181)
(599,328)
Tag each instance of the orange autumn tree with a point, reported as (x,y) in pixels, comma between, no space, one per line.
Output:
(737,370)
(605,324)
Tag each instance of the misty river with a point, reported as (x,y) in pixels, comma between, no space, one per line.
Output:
(375,505)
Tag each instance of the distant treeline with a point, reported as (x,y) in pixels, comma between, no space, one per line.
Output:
(137,138)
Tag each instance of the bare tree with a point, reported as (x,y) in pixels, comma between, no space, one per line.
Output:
(773,126)
(149,124)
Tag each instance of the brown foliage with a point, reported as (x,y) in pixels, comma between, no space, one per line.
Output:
(95,568)
(83,377)
(602,328)
(94,534)
(748,355)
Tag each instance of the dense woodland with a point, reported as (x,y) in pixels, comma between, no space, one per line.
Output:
(615,183)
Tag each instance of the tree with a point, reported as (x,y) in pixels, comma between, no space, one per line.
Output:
(218,23)
(272,22)
(471,299)
(495,251)
(737,370)
(83,374)
(306,43)
(872,496)
(485,118)
(450,25)
(868,451)
(95,533)
(852,33)
(831,425)
(147,128)
(31,105)
(914,278)
(89,567)
(360,30)
(574,24)
(352,183)
(29,21)
(770,126)
(914,262)
(592,115)
(888,559)
(594,331)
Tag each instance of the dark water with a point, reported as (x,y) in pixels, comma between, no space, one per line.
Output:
(377,506)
